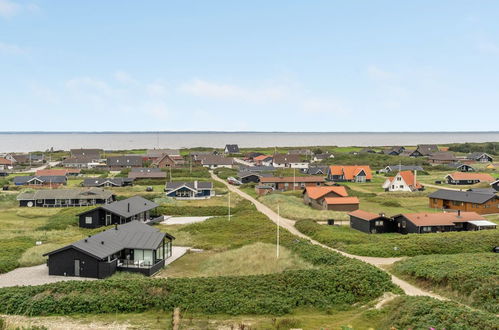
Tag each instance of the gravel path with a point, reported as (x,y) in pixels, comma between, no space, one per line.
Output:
(38,275)
(35,275)
(288,224)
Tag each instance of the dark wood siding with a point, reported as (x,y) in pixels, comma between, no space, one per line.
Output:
(62,264)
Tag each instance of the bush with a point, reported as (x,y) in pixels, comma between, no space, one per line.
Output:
(224,173)
(257,294)
(474,278)
(11,249)
(391,203)
(396,245)
(428,313)
(64,218)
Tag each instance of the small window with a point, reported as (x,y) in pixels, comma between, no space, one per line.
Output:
(379,223)
(426,229)
(88,220)
(404,224)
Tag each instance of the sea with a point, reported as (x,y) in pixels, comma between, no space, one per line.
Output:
(41,141)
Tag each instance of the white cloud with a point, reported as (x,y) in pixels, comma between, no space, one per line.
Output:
(156,89)
(8,8)
(377,73)
(11,49)
(488,47)
(323,106)
(213,90)
(124,78)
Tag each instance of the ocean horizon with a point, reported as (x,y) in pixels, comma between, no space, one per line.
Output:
(26,141)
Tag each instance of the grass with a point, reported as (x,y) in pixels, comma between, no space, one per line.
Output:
(292,207)
(471,278)
(395,245)
(252,259)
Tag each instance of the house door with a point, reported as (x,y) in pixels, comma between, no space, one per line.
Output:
(77,267)
(108,219)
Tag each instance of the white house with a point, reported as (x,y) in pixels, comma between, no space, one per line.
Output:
(403,181)
(289,161)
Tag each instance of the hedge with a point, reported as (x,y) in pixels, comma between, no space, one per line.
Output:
(275,294)
(474,277)
(427,313)
(11,250)
(396,245)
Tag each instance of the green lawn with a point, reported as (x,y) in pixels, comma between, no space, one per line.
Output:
(394,245)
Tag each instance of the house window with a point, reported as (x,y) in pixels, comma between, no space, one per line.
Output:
(404,224)
(399,178)
(88,220)
(401,186)
(456,203)
(426,229)
(379,223)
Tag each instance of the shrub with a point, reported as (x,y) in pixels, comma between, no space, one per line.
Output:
(257,294)
(427,313)
(11,250)
(391,203)
(474,278)
(224,173)
(64,218)
(395,245)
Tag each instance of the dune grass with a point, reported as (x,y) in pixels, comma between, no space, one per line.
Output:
(253,259)
(292,207)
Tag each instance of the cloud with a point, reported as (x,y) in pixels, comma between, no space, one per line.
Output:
(11,49)
(124,78)
(218,91)
(323,106)
(8,8)
(377,73)
(488,47)
(156,89)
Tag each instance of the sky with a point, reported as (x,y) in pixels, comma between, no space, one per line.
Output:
(326,66)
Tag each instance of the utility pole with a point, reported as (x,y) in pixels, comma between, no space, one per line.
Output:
(294,178)
(278,225)
(229,205)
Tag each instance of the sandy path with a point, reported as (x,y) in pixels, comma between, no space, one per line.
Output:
(288,224)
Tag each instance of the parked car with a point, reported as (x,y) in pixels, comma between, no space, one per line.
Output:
(233,181)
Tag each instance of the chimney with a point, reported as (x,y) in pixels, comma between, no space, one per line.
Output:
(129,207)
(196,184)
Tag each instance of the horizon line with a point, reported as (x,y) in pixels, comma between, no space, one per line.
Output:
(235,132)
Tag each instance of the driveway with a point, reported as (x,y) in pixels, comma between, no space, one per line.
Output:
(289,225)
(183,220)
(38,275)
(35,275)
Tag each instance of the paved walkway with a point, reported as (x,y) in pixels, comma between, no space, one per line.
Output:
(288,224)
(183,220)
(38,275)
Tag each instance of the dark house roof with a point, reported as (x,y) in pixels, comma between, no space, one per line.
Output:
(97,182)
(457,165)
(399,168)
(478,155)
(442,156)
(55,179)
(193,185)
(215,160)
(426,149)
(91,193)
(94,153)
(462,196)
(232,148)
(78,160)
(286,159)
(259,168)
(243,174)
(127,208)
(131,235)
(315,170)
(124,161)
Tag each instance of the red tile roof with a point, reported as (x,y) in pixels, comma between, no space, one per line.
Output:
(262,157)
(364,215)
(318,192)
(341,200)
(471,176)
(4,161)
(291,179)
(441,219)
(350,171)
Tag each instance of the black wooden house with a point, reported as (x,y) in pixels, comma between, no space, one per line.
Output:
(133,208)
(133,247)
(371,223)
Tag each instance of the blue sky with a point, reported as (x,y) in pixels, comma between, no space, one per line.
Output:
(249,65)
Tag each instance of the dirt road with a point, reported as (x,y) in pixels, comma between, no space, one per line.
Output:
(289,225)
